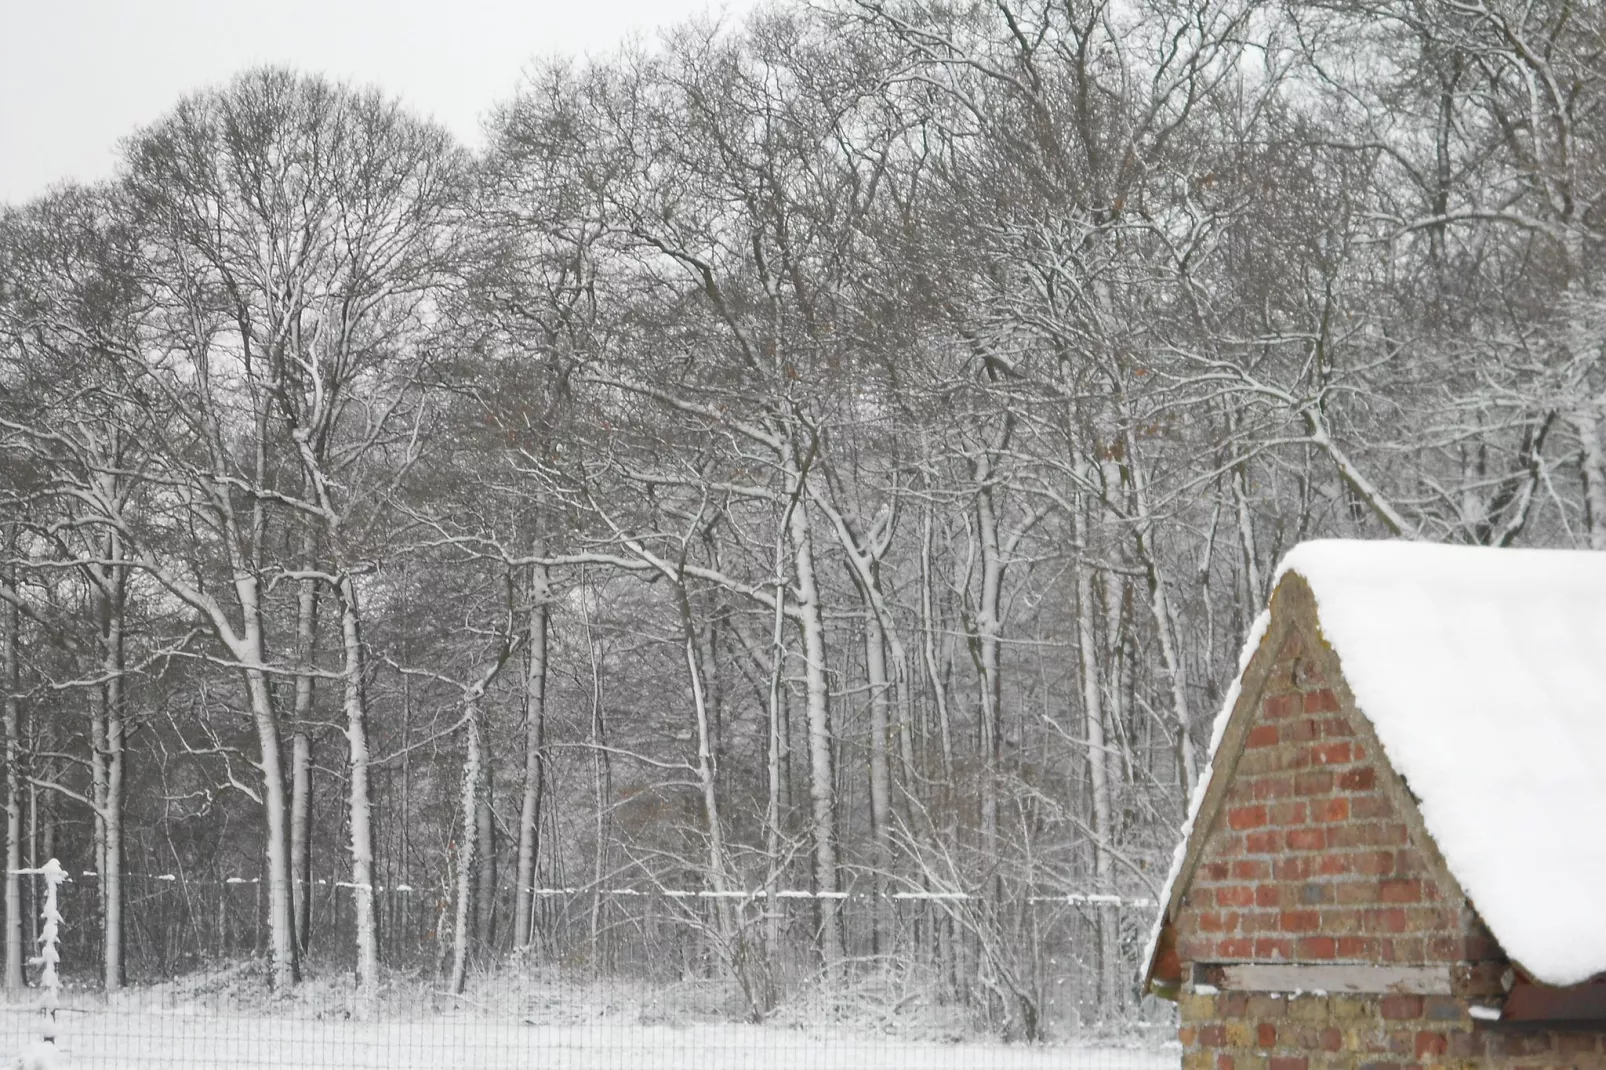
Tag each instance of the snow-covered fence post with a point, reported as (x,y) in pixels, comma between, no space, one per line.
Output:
(49,938)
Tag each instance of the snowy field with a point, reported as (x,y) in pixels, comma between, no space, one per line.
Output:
(98,1037)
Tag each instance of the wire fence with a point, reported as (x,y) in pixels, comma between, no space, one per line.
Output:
(614,978)
(97,1035)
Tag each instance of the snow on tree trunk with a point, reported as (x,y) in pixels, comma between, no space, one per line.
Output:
(107,767)
(875,658)
(534,767)
(301,747)
(284,963)
(822,782)
(1586,422)
(485,856)
(9,683)
(1098,768)
(362,847)
(467,842)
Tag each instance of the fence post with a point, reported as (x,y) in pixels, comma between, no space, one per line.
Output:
(47,959)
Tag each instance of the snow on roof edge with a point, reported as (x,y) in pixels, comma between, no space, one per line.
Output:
(1257,635)
(1527,598)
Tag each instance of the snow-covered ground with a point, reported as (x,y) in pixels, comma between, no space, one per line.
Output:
(188,1040)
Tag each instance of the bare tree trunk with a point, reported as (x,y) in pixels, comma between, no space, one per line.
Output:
(252,651)
(10,680)
(822,781)
(773,768)
(1170,654)
(928,650)
(875,659)
(1097,762)
(485,879)
(753,981)
(361,818)
(301,746)
(985,639)
(1586,422)
(468,842)
(109,763)
(534,762)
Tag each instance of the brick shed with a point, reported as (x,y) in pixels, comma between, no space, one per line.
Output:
(1397,856)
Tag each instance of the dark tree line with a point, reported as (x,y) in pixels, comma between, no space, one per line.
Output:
(840,452)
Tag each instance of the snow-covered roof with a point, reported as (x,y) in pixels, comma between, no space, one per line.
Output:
(1483,674)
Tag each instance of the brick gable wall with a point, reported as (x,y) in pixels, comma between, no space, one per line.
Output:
(1312,858)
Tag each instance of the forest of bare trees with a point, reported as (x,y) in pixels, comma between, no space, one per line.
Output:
(839,452)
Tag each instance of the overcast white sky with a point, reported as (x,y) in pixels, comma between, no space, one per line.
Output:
(77,75)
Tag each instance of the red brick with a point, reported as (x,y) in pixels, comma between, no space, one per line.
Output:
(1213,871)
(1317,947)
(1365,807)
(1400,1008)
(1337,726)
(1318,783)
(1262,735)
(1357,892)
(1266,1035)
(1250,869)
(1272,947)
(1288,813)
(1332,753)
(1300,921)
(1263,843)
(1235,895)
(1400,891)
(1224,1061)
(1323,701)
(1280,705)
(1332,1038)
(1246,817)
(1390,920)
(1334,809)
(1212,1036)
(1271,787)
(1294,868)
(1234,948)
(1307,839)
(1301,731)
(1430,1044)
(1288,1062)
(1335,865)
(1268,895)
(1363,779)
(1375,863)
(1357,947)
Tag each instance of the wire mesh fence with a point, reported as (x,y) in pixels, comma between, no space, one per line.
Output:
(614,978)
(93,1034)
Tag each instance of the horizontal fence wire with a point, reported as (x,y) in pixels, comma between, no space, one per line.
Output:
(404,888)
